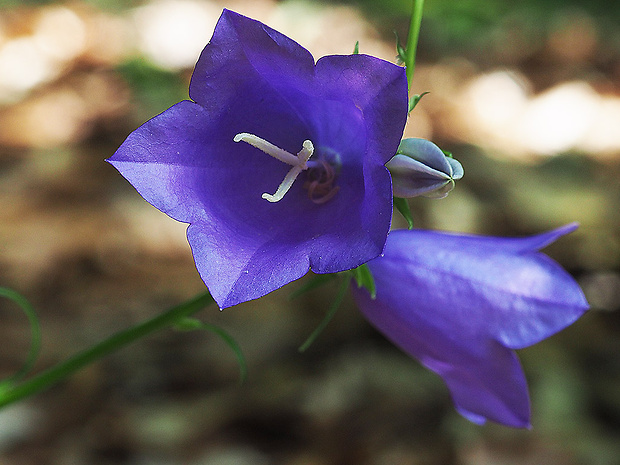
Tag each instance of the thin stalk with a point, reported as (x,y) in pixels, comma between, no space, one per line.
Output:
(344,285)
(412,39)
(115,342)
(35,334)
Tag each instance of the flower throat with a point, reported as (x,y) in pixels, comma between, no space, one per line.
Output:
(320,174)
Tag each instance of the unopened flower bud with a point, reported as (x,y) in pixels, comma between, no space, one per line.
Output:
(421,168)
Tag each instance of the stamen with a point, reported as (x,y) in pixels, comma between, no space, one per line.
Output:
(268,148)
(298,162)
(284,186)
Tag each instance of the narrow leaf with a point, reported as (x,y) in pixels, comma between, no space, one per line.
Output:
(35,335)
(400,50)
(192,324)
(415,99)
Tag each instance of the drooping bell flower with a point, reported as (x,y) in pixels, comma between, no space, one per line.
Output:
(277,162)
(462,304)
(421,168)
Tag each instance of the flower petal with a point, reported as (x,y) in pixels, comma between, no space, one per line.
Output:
(164,161)
(378,89)
(245,53)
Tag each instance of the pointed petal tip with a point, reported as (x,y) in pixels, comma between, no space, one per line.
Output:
(512,422)
(567,228)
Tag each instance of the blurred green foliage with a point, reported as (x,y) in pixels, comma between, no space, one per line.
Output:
(486,12)
(154,89)
(462,26)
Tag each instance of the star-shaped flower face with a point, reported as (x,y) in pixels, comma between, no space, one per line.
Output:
(277,163)
(461,304)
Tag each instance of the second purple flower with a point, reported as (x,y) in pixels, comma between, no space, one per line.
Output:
(461,305)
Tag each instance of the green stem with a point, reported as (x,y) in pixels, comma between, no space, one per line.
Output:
(344,285)
(412,39)
(65,369)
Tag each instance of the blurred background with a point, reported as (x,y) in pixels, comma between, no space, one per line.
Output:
(526,94)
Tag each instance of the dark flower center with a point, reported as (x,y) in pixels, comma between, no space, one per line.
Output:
(320,182)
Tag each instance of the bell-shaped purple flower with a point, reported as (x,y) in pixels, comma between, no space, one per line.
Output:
(461,304)
(277,163)
(421,168)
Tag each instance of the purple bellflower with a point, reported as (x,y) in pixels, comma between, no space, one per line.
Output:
(265,118)
(461,304)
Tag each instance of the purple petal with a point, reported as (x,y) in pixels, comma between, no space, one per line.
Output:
(377,89)
(246,55)
(459,304)
(144,159)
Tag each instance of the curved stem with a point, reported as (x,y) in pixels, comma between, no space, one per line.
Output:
(344,285)
(412,39)
(35,334)
(65,369)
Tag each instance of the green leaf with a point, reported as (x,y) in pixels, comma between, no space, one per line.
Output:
(193,324)
(356,49)
(66,368)
(403,207)
(35,336)
(415,99)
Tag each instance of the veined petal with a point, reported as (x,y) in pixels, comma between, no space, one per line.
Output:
(163,159)
(244,52)
(377,89)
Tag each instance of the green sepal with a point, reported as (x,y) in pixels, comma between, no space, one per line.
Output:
(193,324)
(356,49)
(414,100)
(401,56)
(403,207)
(363,277)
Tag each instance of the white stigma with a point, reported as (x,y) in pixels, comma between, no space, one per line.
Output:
(298,162)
